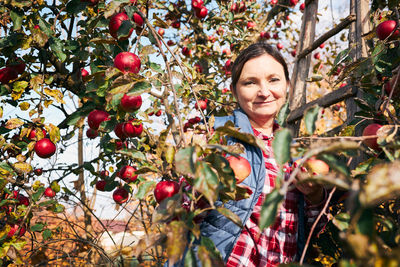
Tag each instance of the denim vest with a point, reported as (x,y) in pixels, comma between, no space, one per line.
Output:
(222,231)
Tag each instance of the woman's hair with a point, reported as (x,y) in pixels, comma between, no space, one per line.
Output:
(253,51)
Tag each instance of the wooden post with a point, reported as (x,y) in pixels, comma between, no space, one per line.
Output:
(357,44)
(358,49)
(297,92)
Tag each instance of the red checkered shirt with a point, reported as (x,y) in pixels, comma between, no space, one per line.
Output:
(277,243)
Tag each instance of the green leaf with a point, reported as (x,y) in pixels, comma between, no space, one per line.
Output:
(230,215)
(144,189)
(231,130)
(37,227)
(283,114)
(38,193)
(57,47)
(45,27)
(206,181)
(133,154)
(16,17)
(342,56)
(125,29)
(225,172)
(88,166)
(19,244)
(75,6)
(58,208)
(281,145)
(46,234)
(335,163)
(47,203)
(190,259)
(111,186)
(156,67)
(184,161)
(341,221)
(208,254)
(270,208)
(310,117)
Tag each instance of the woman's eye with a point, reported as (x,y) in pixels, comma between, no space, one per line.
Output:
(248,82)
(275,80)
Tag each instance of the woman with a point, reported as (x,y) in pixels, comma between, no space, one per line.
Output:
(260,79)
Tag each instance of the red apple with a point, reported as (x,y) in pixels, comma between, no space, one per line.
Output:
(91,133)
(251,24)
(278,24)
(202,104)
(44,148)
(36,27)
(84,73)
(100,185)
(161,32)
(32,134)
(242,6)
(38,171)
(118,130)
(8,74)
(225,90)
(121,144)
(165,189)
(138,19)
(18,64)
(198,68)
(276,36)
(202,12)
(176,24)
(240,166)
(316,166)
(22,200)
(14,229)
(127,173)
(234,8)
(274,2)
(96,117)
(293,2)
(322,45)
(170,43)
(186,51)
(104,174)
(116,22)
(302,7)
(279,46)
(371,130)
(293,53)
(49,192)
(120,195)
(317,55)
(197,4)
(127,62)
(385,28)
(133,128)
(342,85)
(131,103)
(158,113)
(265,35)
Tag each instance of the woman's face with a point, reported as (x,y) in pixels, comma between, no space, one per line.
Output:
(261,88)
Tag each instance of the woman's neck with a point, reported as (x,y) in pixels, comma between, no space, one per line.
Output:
(264,127)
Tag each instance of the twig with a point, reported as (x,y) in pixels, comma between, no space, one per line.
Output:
(315,224)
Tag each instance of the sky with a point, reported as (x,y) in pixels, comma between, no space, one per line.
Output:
(329,11)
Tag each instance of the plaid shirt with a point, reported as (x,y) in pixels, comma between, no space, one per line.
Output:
(277,243)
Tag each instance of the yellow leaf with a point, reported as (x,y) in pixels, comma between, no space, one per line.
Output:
(13,123)
(32,112)
(36,82)
(1,112)
(26,43)
(56,94)
(54,133)
(22,167)
(24,105)
(47,103)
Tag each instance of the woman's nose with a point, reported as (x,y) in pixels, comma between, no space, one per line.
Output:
(264,90)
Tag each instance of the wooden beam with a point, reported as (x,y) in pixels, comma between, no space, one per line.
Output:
(342,25)
(324,101)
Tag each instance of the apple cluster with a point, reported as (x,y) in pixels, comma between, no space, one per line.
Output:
(16,225)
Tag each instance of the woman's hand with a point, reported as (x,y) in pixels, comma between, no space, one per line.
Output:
(313,192)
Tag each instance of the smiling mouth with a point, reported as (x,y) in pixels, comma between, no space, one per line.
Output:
(264,102)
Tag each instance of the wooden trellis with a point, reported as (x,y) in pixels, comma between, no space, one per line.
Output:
(358,19)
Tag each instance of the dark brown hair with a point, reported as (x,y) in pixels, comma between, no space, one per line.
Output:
(253,51)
